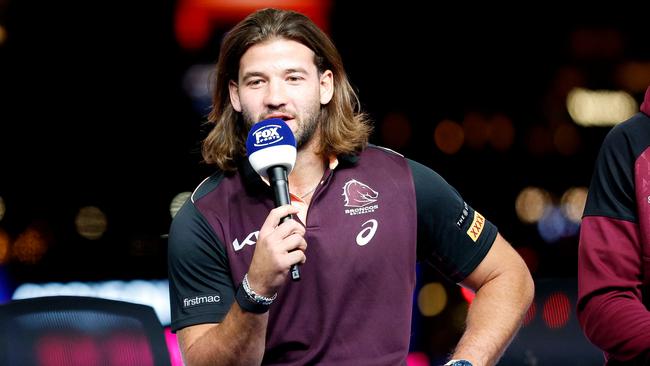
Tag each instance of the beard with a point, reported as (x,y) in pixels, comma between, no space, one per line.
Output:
(306,127)
(306,130)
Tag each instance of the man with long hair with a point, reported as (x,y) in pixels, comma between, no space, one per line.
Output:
(363,217)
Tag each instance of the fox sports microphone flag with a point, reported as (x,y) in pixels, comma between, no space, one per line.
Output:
(271,143)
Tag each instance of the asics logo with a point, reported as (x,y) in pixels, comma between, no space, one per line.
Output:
(367,233)
(251,239)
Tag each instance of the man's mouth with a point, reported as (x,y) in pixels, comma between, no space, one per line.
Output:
(282,116)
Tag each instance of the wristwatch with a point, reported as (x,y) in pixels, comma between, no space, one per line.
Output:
(458,363)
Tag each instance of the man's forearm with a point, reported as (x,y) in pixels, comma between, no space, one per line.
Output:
(238,340)
(494,317)
(618,323)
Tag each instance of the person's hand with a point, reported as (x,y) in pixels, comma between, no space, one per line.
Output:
(278,247)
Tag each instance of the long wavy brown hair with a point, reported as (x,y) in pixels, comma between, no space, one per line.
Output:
(344,129)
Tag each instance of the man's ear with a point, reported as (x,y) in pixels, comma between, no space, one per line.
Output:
(233,89)
(326,87)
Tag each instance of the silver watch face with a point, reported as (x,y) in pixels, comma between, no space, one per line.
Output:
(460,363)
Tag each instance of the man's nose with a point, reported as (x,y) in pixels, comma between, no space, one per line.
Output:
(276,95)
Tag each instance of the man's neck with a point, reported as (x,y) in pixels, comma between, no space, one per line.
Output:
(308,170)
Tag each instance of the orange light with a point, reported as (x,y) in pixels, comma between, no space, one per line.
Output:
(31,245)
(502,132)
(395,131)
(449,137)
(4,247)
(476,130)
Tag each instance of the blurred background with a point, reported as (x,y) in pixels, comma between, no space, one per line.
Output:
(103,104)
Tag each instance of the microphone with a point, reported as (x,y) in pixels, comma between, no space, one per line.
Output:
(271,149)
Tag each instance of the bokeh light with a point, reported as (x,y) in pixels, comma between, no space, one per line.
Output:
(573,203)
(449,137)
(91,222)
(395,131)
(67,349)
(154,293)
(32,244)
(476,130)
(5,247)
(566,139)
(530,314)
(600,107)
(554,225)
(596,43)
(178,201)
(2,208)
(417,359)
(531,203)
(557,309)
(502,132)
(196,84)
(6,287)
(3,35)
(174,350)
(467,294)
(634,75)
(432,299)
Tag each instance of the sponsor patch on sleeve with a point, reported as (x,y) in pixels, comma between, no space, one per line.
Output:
(463,216)
(199,300)
(476,228)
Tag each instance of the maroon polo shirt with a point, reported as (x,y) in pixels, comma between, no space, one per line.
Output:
(372,217)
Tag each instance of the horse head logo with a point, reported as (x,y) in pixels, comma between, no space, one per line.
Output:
(358,194)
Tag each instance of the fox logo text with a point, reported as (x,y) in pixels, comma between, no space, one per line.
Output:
(267,135)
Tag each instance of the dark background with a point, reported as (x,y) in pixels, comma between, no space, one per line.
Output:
(93,113)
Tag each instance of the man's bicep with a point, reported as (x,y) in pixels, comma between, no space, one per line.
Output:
(501,257)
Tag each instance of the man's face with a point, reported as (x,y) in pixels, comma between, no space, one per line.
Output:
(278,79)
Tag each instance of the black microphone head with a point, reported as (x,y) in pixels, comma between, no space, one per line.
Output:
(271,143)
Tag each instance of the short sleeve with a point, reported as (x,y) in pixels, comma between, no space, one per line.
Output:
(200,286)
(452,236)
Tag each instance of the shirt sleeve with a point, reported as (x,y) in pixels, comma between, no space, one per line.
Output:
(200,286)
(452,236)
(610,308)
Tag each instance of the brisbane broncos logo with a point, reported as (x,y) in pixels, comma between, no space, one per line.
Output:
(358,194)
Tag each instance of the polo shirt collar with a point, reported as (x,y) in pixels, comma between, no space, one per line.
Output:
(254,183)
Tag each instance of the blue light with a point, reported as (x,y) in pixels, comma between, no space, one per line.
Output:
(5,286)
(554,226)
